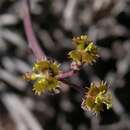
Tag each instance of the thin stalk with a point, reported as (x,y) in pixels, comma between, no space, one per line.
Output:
(71,72)
(66,74)
(32,40)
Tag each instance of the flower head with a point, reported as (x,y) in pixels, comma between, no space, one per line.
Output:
(46,66)
(85,51)
(96,97)
(45,84)
(45,75)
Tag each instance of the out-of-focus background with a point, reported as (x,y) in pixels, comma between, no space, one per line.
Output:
(55,22)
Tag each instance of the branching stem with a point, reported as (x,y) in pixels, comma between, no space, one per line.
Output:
(32,40)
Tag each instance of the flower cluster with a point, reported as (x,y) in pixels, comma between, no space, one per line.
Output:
(47,76)
(85,51)
(44,73)
(96,97)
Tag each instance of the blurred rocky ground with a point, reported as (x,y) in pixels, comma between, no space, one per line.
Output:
(55,22)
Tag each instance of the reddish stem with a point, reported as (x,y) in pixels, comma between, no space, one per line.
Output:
(74,69)
(66,74)
(33,43)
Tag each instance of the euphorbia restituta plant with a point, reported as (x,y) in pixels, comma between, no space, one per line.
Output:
(48,76)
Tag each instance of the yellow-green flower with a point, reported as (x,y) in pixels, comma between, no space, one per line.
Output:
(46,84)
(85,51)
(96,97)
(44,73)
(44,66)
